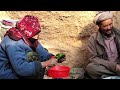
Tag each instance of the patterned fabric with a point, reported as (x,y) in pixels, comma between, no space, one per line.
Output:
(29,25)
(25,28)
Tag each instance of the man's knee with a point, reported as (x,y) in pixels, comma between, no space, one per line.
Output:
(90,68)
(93,70)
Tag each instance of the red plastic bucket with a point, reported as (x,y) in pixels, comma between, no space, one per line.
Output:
(58,71)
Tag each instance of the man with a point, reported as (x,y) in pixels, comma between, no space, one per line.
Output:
(21,55)
(104,47)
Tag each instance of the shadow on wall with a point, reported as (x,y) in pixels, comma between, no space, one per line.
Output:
(82,54)
(87,31)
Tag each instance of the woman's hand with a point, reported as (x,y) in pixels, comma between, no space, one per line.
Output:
(50,62)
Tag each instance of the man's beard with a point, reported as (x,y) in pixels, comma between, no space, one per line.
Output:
(107,33)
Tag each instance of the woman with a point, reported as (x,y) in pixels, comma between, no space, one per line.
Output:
(15,48)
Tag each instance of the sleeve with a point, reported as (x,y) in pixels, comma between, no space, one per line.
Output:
(96,58)
(17,57)
(43,53)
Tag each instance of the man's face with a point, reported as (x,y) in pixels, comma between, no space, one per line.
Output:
(106,27)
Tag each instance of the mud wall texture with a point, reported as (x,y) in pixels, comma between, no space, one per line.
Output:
(64,31)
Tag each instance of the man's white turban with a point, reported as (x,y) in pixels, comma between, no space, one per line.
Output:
(101,16)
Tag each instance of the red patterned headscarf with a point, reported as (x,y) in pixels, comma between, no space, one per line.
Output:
(27,27)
